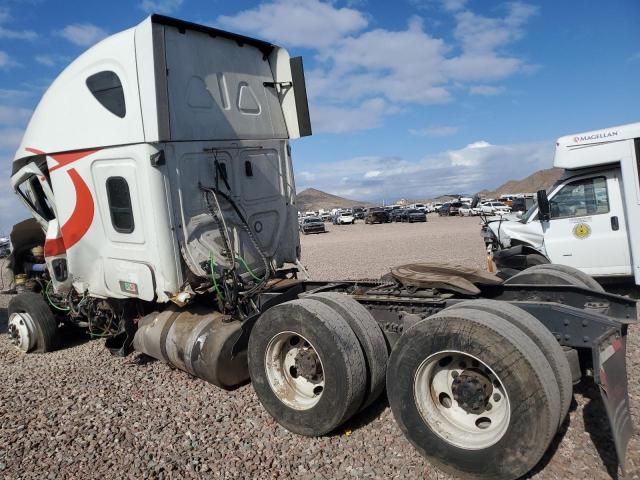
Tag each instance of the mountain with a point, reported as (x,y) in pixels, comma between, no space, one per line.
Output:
(312,199)
(539,180)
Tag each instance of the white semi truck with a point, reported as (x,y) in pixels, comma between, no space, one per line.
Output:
(158,172)
(590,219)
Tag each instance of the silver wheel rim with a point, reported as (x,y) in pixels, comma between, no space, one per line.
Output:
(287,362)
(22,331)
(441,403)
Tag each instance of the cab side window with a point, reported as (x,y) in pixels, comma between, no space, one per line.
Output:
(588,196)
(120,205)
(107,89)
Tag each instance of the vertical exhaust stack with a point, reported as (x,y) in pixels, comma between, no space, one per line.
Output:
(197,341)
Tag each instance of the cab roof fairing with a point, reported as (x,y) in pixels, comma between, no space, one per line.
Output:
(68,117)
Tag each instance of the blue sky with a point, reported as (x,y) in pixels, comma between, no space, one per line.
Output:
(411,98)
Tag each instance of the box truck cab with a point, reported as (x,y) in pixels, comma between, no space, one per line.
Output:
(590,219)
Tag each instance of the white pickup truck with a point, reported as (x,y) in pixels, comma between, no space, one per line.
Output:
(590,219)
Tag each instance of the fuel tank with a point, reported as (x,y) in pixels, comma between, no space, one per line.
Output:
(196,341)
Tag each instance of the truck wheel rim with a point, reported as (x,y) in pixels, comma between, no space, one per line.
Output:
(22,331)
(462,400)
(294,370)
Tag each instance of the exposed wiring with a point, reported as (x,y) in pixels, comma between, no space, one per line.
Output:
(213,278)
(51,302)
(248,269)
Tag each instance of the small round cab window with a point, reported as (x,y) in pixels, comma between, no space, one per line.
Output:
(107,89)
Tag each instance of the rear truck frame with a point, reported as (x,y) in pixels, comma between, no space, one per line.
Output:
(177,237)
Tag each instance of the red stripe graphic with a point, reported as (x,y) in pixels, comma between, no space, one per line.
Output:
(69,157)
(34,150)
(82,217)
(53,247)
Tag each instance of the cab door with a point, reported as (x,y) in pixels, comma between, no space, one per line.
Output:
(587,229)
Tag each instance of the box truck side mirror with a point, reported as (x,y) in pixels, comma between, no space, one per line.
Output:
(544,210)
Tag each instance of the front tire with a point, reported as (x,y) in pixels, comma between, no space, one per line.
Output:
(450,423)
(32,325)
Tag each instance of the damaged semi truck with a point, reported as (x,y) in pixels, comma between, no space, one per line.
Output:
(158,169)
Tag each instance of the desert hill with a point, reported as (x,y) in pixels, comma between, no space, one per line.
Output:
(539,180)
(312,199)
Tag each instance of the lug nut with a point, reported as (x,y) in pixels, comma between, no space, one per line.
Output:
(496,397)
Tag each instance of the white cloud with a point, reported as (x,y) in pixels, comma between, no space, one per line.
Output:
(4,14)
(10,139)
(467,170)
(17,34)
(403,68)
(486,90)
(340,119)
(6,61)
(14,115)
(297,23)
(83,34)
(453,5)
(438,131)
(160,6)
(50,60)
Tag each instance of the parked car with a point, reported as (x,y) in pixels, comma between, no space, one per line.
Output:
(343,218)
(466,210)
(413,215)
(358,213)
(435,207)
(377,215)
(326,216)
(494,208)
(312,225)
(444,209)
(396,215)
(450,209)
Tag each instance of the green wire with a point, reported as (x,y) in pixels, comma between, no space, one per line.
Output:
(46,292)
(246,267)
(213,277)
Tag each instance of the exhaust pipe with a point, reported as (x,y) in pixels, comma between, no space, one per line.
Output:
(196,341)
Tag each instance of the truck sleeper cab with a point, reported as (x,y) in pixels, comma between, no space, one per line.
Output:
(166,221)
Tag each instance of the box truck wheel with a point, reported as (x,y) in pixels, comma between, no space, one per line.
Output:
(540,335)
(306,366)
(473,394)
(32,326)
(535,259)
(370,336)
(560,275)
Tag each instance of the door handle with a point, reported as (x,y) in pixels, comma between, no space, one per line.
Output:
(614,223)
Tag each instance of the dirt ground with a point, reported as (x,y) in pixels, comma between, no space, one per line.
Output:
(81,413)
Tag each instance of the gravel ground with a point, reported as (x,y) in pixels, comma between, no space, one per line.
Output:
(81,413)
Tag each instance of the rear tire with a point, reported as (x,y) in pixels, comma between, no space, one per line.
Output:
(525,422)
(540,335)
(30,315)
(551,273)
(578,277)
(306,366)
(370,337)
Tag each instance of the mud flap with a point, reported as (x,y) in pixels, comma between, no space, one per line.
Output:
(611,376)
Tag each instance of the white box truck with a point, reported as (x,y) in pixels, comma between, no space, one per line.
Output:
(158,172)
(590,219)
